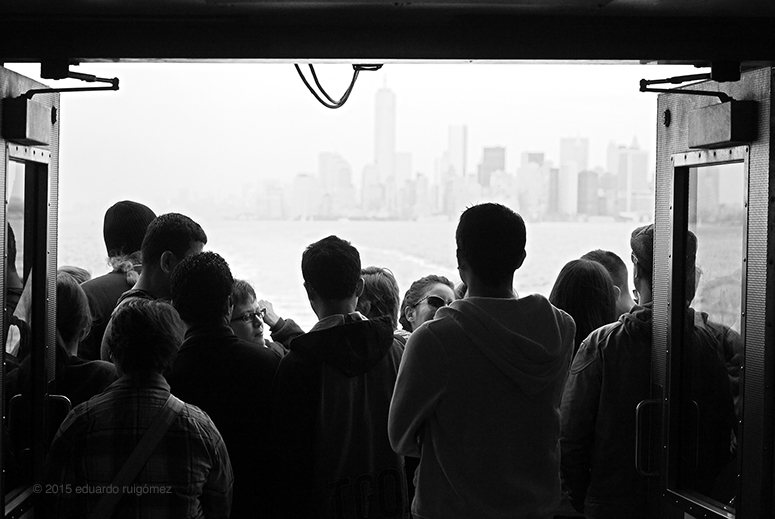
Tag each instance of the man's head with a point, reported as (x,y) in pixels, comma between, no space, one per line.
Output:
(490,243)
(201,287)
(642,245)
(146,336)
(331,269)
(170,238)
(380,294)
(124,227)
(618,272)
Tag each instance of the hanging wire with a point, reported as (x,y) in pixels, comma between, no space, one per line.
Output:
(330,102)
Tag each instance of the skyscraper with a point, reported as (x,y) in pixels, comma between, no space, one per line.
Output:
(336,181)
(630,165)
(533,157)
(574,158)
(333,171)
(533,185)
(588,193)
(568,189)
(493,159)
(575,150)
(385,133)
(372,191)
(403,168)
(306,197)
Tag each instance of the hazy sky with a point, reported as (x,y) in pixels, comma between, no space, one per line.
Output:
(219,127)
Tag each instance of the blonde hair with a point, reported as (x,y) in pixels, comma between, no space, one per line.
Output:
(126,264)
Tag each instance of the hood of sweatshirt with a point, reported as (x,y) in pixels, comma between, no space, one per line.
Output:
(637,323)
(527,339)
(350,343)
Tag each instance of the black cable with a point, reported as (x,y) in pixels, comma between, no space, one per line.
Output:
(331,103)
(320,87)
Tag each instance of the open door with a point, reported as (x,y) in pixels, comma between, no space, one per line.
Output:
(714,291)
(29,144)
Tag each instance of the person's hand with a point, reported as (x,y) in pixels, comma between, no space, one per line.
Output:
(270,317)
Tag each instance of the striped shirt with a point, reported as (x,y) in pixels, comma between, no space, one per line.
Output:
(189,474)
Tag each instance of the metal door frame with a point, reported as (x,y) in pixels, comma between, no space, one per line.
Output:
(41,168)
(757,440)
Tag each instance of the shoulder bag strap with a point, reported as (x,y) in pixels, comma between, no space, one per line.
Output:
(139,457)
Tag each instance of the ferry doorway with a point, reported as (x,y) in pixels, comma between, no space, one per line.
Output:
(717,189)
(29,144)
(713,275)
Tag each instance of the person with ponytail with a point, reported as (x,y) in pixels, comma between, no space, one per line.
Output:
(124,228)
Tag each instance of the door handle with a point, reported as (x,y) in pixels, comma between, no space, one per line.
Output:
(638,465)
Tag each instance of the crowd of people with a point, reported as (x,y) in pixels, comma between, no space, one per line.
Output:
(458,400)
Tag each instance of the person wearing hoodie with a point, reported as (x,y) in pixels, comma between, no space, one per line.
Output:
(611,375)
(330,401)
(478,391)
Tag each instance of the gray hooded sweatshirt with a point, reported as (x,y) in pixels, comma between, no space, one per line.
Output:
(477,399)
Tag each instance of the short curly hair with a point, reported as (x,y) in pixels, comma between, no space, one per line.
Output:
(332,268)
(200,287)
(381,290)
(416,292)
(170,232)
(146,336)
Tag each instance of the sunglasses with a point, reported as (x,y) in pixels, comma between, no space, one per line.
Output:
(249,317)
(434,301)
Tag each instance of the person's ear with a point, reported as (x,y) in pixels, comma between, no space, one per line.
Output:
(365,307)
(167,261)
(635,274)
(462,266)
(522,259)
(409,312)
(311,294)
(617,292)
(461,260)
(230,304)
(359,287)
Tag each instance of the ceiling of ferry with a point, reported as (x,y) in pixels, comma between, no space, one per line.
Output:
(681,31)
(199,7)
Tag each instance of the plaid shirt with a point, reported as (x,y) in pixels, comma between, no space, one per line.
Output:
(189,474)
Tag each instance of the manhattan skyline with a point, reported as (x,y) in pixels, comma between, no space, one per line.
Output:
(228,127)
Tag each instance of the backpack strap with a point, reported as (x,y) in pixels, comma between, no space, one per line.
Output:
(139,457)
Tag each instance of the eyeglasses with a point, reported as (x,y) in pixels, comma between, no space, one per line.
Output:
(250,317)
(434,301)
